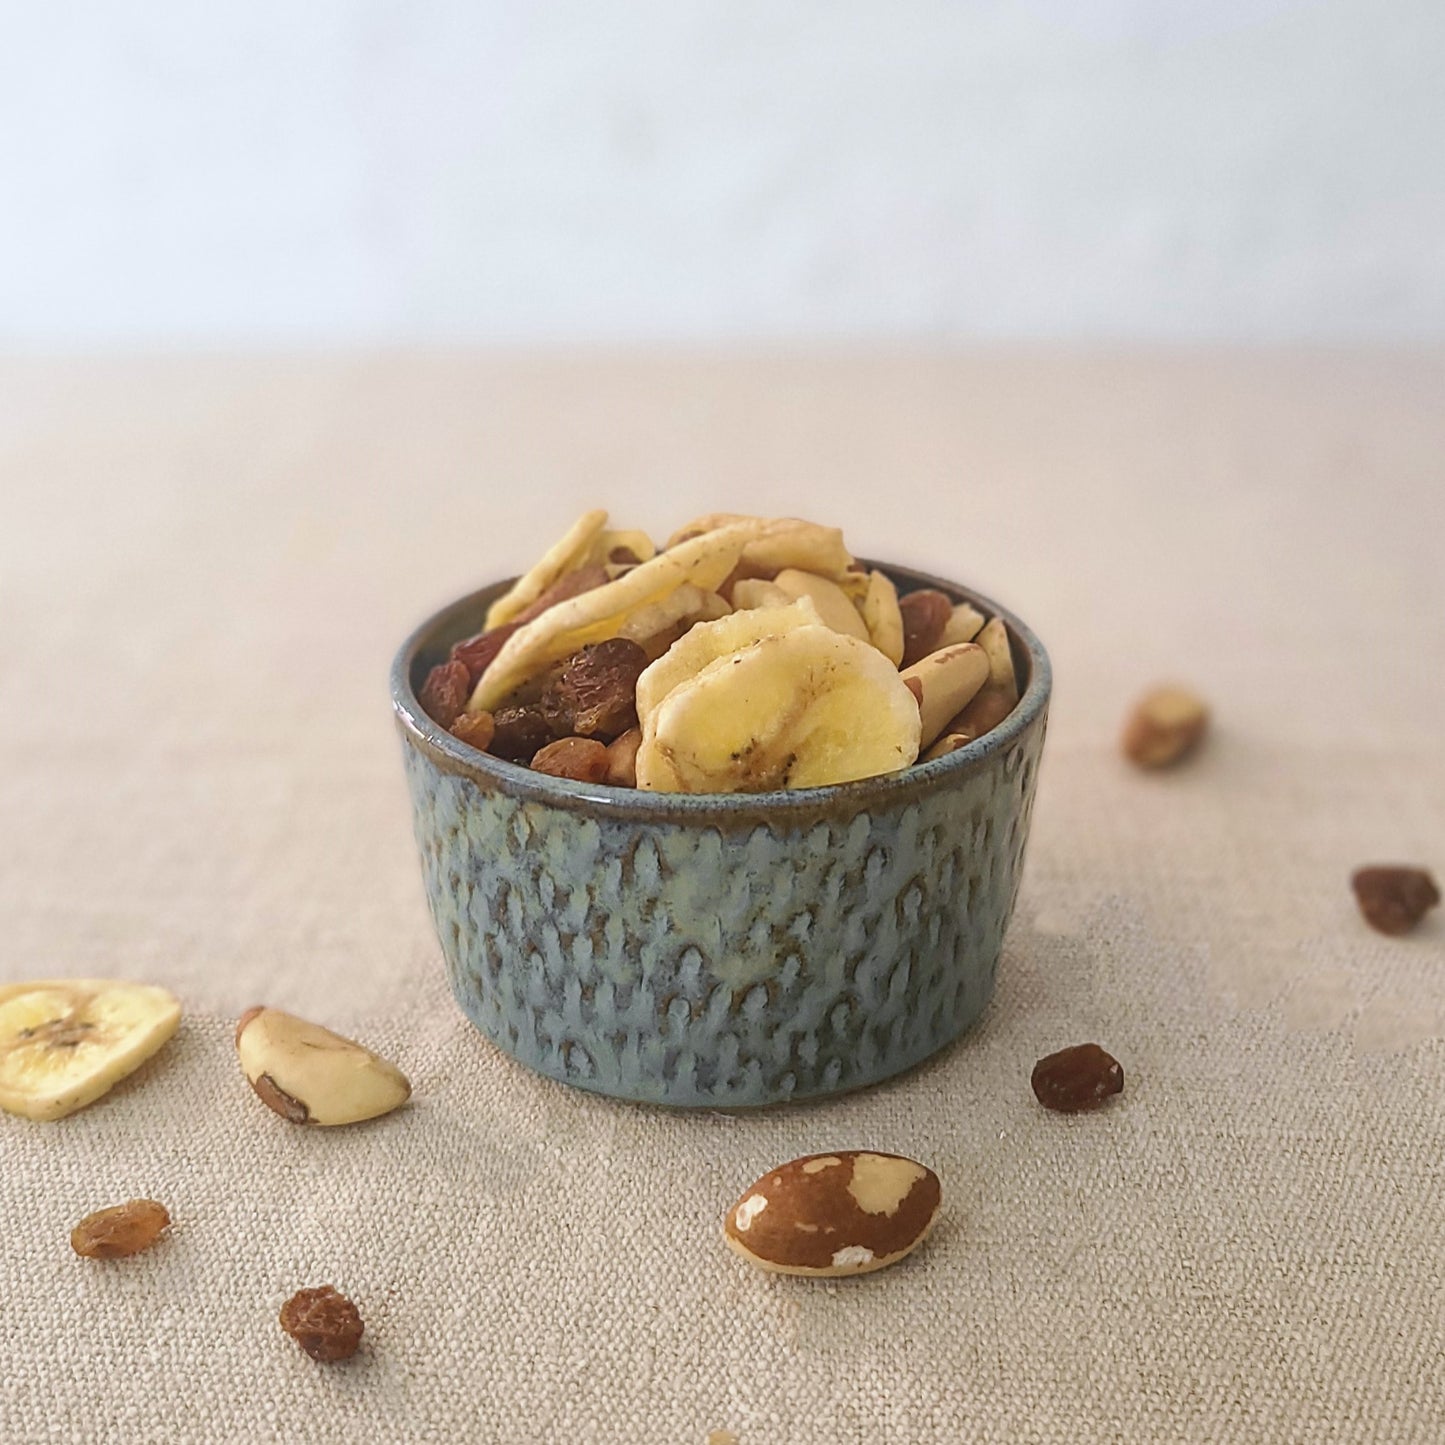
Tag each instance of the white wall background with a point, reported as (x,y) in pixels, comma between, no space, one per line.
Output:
(204,172)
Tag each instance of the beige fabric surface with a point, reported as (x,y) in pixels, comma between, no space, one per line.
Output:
(205,567)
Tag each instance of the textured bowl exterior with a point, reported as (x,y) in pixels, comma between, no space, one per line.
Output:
(721,952)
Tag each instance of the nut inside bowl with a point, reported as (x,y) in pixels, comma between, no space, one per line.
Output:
(721,950)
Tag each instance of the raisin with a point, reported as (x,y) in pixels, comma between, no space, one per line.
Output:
(594,695)
(1394,898)
(1082,1077)
(476,653)
(518,732)
(323,1322)
(584,760)
(122,1230)
(925,615)
(445,692)
(475,729)
(566,587)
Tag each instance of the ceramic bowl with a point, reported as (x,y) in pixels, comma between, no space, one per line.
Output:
(721,951)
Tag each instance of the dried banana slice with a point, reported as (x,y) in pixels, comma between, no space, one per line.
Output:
(882,617)
(799,709)
(573,551)
(601,613)
(774,543)
(708,641)
(831,601)
(65,1043)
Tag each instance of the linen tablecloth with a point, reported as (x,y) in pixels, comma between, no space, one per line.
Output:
(205,567)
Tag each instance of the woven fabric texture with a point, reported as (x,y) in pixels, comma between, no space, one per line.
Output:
(205,567)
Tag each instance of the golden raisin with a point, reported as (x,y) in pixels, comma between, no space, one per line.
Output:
(445,692)
(925,615)
(594,692)
(1394,898)
(120,1231)
(476,729)
(584,760)
(1082,1077)
(323,1322)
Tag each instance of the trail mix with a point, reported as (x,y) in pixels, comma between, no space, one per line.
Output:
(750,653)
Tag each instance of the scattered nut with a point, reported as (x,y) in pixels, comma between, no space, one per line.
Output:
(323,1322)
(444,693)
(583,760)
(925,615)
(309,1075)
(834,1214)
(946,681)
(1165,726)
(1394,897)
(120,1231)
(1077,1078)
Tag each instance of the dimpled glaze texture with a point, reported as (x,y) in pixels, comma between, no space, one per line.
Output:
(673,963)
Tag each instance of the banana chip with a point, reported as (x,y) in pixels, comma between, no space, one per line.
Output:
(573,551)
(601,613)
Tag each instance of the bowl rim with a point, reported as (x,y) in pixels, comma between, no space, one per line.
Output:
(452,755)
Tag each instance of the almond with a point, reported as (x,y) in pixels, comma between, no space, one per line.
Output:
(850,1212)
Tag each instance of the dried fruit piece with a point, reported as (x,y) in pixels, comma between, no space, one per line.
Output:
(323,1322)
(518,733)
(925,615)
(1394,897)
(563,556)
(835,1214)
(594,692)
(773,543)
(946,681)
(799,709)
(883,618)
(622,759)
(121,1230)
(566,587)
(708,641)
(1165,726)
(65,1043)
(309,1075)
(475,729)
(444,693)
(584,760)
(476,653)
(751,592)
(1077,1078)
(602,612)
(831,601)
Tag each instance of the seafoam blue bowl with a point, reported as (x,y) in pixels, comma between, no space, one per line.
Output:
(721,951)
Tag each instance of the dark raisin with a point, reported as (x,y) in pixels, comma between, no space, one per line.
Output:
(584,760)
(323,1322)
(120,1231)
(445,692)
(594,694)
(566,587)
(1082,1077)
(477,652)
(518,732)
(1393,898)
(925,615)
